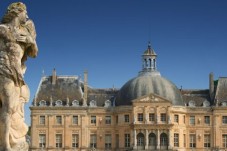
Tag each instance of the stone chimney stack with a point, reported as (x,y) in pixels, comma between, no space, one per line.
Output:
(85,88)
(211,85)
(54,77)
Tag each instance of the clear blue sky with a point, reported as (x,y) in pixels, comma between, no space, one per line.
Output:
(107,38)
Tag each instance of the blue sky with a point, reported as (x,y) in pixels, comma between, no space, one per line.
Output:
(107,38)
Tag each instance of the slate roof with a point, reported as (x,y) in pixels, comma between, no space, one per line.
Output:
(221,90)
(70,87)
(198,96)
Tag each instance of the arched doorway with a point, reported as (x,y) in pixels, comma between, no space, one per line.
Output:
(152,141)
(140,141)
(163,141)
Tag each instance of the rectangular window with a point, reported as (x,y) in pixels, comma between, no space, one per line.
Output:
(224,119)
(126,118)
(192,143)
(192,120)
(42,140)
(224,140)
(163,117)
(42,120)
(207,140)
(117,140)
(58,140)
(93,140)
(75,120)
(176,118)
(207,119)
(151,117)
(108,119)
(184,140)
(117,119)
(59,120)
(184,119)
(176,140)
(108,141)
(93,119)
(75,140)
(140,117)
(127,140)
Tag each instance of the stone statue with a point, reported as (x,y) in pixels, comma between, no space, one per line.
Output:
(17,42)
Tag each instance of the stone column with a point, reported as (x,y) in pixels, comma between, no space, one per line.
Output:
(158,139)
(135,141)
(169,140)
(147,140)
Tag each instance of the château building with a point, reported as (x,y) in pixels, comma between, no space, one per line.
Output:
(148,113)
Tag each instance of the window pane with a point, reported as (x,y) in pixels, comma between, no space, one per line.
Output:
(127,140)
(192,120)
(140,117)
(176,118)
(163,117)
(192,143)
(126,118)
(224,119)
(224,141)
(58,119)
(75,120)
(42,120)
(176,140)
(75,140)
(93,140)
(108,119)
(151,117)
(93,119)
(58,140)
(42,140)
(207,140)
(207,119)
(108,141)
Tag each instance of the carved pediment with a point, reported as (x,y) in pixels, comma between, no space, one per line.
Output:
(151,98)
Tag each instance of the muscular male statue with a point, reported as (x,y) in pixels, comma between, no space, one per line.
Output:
(17,42)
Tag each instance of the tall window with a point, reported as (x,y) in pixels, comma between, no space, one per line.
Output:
(75,140)
(192,120)
(117,140)
(152,139)
(184,140)
(224,119)
(42,140)
(126,118)
(93,119)
(207,119)
(176,140)
(207,140)
(108,119)
(58,120)
(192,142)
(127,140)
(108,141)
(163,117)
(58,140)
(224,140)
(117,119)
(140,117)
(140,139)
(151,117)
(42,120)
(176,118)
(163,139)
(75,119)
(93,140)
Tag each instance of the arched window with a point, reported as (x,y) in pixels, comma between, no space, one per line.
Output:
(152,139)
(163,140)
(42,103)
(93,103)
(58,103)
(75,103)
(206,103)
(107,103)
(140,139)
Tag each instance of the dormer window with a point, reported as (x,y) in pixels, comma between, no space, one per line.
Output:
(75,103)
(42,103)
(58,103)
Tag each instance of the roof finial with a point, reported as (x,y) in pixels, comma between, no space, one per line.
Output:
(149,45)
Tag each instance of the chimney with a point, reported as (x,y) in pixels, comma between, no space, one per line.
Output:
(54,77)
(211,85)
(85,88)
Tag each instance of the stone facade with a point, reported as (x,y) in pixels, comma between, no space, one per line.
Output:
(69,115)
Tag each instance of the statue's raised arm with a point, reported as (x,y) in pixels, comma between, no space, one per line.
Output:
(17,42)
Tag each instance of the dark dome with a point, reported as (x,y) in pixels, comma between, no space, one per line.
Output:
(146,83)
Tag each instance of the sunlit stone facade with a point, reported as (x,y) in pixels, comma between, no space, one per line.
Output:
(147,113)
